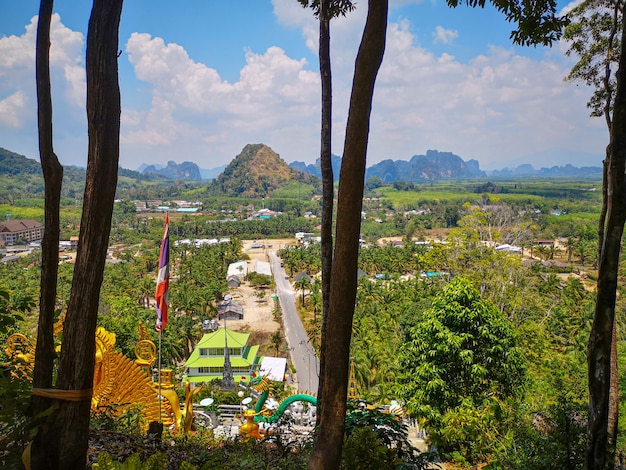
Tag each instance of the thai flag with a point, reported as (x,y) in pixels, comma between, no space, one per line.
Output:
(163,278)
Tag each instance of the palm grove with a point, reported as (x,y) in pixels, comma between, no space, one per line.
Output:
(479,395)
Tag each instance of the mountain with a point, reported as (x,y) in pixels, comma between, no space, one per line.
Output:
(212,173)
(565,171)
(316,169)
(13,163)
(434,165)
(184,171)
(256,172)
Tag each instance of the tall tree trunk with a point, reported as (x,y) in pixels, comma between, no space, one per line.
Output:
(613,418)
(53,178)
(67,430)
(328,190)
(599,456)
(326,452)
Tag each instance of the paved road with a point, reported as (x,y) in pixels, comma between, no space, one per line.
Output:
(302,353)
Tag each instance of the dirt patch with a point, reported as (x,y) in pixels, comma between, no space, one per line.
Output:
(258,304)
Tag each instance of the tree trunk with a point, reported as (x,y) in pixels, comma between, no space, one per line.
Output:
(328,189)
(53,178)
(326,452)
(67,431)
(613,418)
(599,456)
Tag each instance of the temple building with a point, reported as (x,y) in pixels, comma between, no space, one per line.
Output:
(206,363)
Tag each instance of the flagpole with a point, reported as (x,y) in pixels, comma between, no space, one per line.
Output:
(161,297)
(159,378)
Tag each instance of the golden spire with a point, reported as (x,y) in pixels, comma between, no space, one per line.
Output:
(353,394)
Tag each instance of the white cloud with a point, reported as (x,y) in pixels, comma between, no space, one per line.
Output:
(190,100)
(495,107)
(18,103)
(444,36)
(12,110)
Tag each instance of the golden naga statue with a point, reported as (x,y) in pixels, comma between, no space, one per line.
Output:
(118,381)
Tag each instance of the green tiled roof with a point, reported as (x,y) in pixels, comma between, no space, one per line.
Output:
(216,340)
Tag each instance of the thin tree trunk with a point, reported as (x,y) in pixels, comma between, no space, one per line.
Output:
(328,190)
(67,430)
(613,418)
(328,444)
(599,456)
(53,178)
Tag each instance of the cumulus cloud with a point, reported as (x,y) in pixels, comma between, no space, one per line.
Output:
(444,36)
(495,107)
(192,101)
(12,110)
(18,104)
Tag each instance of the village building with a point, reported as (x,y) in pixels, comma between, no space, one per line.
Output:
(262,267)
(239,269)
(26,229)
(206,363)
(233,281)
(229,310)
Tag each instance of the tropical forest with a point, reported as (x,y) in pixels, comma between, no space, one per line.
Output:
(287,317)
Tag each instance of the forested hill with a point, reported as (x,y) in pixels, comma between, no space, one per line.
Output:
(13,164)
(256,172)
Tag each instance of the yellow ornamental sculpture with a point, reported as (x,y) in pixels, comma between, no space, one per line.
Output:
(118,380)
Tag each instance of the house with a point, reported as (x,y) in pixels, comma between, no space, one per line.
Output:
(303,277)
(239,269)
(206,362)
(509,248)
(26,229)
(233,282)
(262,267)
(229,310)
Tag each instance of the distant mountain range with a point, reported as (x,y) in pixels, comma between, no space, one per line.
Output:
(433,166)
(437,165)
(257,158)
(566,171)
(173,170)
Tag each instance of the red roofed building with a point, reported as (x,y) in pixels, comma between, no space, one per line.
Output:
(12,230)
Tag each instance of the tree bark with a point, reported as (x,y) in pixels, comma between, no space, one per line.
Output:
(53,178)
(328,189)
(67,431)
(600,340)
(326,453)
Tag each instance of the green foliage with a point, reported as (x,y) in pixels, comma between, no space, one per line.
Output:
(15,424)
(259,280)
(123,417)
(461,352)
(537,22)
(594,38)
(551,440)
(376,440)
(154,462)
(468,432)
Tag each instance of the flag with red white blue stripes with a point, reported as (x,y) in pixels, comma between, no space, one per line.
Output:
(163,278)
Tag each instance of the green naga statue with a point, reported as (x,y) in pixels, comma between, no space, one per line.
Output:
(262,385)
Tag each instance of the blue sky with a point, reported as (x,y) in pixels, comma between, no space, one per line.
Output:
(202,79)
